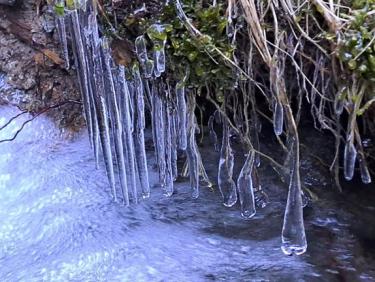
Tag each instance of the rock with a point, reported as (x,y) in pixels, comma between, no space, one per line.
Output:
(31,59)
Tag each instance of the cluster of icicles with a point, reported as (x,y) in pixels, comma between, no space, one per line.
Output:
(114,109)
(352,152)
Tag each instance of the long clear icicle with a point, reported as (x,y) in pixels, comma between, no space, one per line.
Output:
(117,123)
(81,65)
(128,137)
(61,29)
(192,148)
(101,106)
(140,150)
(245,187)
(168,189)
(225,175)
(182,113)
(88,38)
(159,130)
(293,232)
(174,137)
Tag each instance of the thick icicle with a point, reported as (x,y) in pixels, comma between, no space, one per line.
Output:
(140,150)
(168,189)
(182,113)
(61,29)
(128,137)
(350,155)
(293,232)
(245,187)
(101,107)
(159,58)
(154,106)
(158,35)
(116,120)
(278,119)
(141,50)
(159,130)
(192,148)
(225,176)
(81,65)
(88,38)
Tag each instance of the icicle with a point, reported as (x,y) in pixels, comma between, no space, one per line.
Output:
(339,101)
(159,130)
(154,106)
(82,68)
(350,155)
(141,50)
(185,169)
(278,119)
(213,134)
(168,189)
(60,23)
(101,107)
(261,197)
(149,68)
(182,113)
(205,180)
(127,135)
(245,187)
(293,232)
(87,39)
(158,35)
(257,127)
(174,137)
(116,120)
(132,101)
(192,148)
(140,150)
(365,173)
(225,176)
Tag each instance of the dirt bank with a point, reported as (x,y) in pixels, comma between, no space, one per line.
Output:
(31,60)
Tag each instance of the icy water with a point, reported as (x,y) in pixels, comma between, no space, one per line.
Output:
(59,223)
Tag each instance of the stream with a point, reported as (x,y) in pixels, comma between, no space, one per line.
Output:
(58,222)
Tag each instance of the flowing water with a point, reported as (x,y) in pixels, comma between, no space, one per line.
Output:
(58,222)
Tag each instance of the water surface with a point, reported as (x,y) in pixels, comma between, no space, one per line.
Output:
(59,223)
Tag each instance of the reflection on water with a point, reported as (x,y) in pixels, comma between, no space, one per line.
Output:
(59,223)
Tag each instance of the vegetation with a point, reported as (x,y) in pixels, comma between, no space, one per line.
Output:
(292,53)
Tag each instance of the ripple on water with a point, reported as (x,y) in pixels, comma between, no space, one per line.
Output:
(58,223)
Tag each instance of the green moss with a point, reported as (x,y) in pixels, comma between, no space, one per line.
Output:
(183,51)
(356,47)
